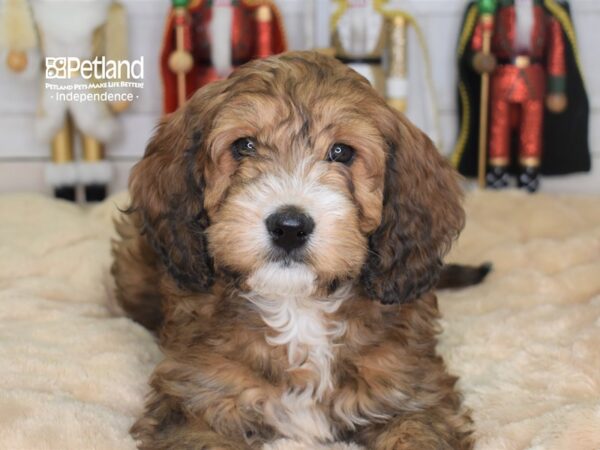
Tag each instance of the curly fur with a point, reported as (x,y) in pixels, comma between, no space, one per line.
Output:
(333,350)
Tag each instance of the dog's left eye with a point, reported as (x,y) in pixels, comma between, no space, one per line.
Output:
(243,147)
(341,153)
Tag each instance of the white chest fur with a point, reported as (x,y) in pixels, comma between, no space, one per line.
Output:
(284,299)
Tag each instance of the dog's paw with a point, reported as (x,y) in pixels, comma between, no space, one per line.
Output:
(288,444)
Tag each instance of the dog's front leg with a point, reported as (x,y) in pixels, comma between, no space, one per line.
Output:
(165,427)
(418,431)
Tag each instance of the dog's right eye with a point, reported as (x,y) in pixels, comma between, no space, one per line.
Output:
(243,147)
(341,153)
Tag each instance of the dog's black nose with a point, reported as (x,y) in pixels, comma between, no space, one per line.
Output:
(289,228)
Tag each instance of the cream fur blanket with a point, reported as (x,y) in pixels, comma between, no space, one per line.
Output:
(526,343)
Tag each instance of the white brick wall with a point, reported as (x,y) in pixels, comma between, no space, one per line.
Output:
(22,158)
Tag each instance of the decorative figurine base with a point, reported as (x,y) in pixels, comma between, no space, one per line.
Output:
(95,192)
(529,179)
(496,178)
(65,193)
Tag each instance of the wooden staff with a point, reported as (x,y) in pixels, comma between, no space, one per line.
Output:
(487,9)
(397,76)
(180,61)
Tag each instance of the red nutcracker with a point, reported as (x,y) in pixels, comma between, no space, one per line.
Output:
(538,109)
(206,39)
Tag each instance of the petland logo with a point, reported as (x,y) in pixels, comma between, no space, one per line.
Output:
(69,67)
(71,79)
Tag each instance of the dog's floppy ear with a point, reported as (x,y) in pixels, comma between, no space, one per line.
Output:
(167,193)
(421,216)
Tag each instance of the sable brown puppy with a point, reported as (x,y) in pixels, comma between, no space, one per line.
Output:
(285,233)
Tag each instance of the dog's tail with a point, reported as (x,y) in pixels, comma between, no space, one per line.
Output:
(455,276)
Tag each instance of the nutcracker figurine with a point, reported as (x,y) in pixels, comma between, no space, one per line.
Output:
(373,40)
(60,29)
(205,40)
(522,54)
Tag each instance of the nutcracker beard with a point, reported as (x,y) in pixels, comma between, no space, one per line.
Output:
(220,39)
(531,130)
(286,231)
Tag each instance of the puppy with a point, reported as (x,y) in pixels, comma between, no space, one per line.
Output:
(285,233)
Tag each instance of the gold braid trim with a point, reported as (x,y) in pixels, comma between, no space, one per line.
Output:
(561,15)
(461,142)
(338,13)
(459,148)
(470,23)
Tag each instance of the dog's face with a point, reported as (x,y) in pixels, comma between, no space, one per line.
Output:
(297,182)
(294,176)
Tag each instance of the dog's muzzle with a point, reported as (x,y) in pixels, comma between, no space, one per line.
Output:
(289,228)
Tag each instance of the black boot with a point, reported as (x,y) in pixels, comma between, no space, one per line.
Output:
(496,177)
(529,179)
(95,192)
(65,193)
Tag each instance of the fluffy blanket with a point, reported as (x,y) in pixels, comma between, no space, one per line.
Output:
(526,343)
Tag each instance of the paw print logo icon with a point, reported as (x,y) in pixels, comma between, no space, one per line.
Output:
(56,68)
